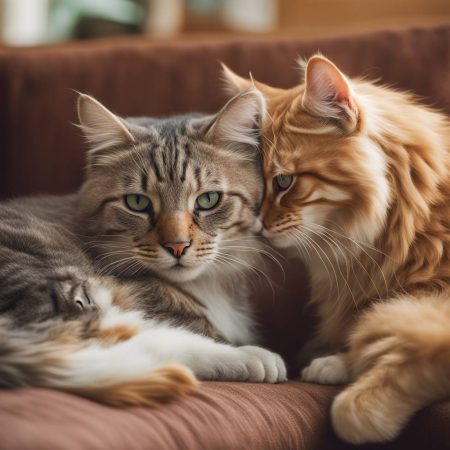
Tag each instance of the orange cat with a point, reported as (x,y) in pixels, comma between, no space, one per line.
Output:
(358,181)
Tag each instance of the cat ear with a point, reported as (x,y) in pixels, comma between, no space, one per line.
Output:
(238,124)
(233,82)
(101,127)
(328,93)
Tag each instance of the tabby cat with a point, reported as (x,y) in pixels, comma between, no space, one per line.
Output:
(101,292)
(358,182)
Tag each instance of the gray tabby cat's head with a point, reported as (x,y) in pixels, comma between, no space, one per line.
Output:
(169,195)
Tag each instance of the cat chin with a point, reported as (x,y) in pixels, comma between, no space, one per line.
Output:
(180,274)
(277,240)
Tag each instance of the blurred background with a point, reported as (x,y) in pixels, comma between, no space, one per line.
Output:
(37,22)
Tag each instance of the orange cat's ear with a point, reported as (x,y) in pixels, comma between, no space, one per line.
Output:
(238,125)
(233,82)
(328,93)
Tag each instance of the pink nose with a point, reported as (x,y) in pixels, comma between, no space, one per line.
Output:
(177,249)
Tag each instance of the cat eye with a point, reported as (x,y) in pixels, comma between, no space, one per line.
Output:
(207,201)
(284,181)
(137,202)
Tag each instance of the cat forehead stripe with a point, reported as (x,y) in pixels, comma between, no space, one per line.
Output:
(171,160)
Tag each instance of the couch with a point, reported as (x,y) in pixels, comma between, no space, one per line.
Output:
(42,152)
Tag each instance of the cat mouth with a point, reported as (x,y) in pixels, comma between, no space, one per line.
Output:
(181,273)
(180,267)
(258,226)
(269,234)
(277,239)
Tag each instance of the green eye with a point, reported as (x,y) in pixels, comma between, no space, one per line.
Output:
(208,200)
(137,202)
(284,181)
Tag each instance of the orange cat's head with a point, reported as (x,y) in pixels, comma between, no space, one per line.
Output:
(322,168)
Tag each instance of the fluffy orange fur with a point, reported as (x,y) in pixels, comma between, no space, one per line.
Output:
(368,209)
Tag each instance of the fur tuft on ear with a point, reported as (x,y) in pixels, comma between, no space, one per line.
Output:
(328,93)
(233,82)
(238,124)
(101,127)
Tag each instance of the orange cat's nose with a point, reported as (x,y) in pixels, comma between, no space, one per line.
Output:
(177,249)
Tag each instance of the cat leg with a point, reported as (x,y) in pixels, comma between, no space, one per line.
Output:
(131,360)
(400,357)
(331,369)
(160,345)
(211,360)
(164,344)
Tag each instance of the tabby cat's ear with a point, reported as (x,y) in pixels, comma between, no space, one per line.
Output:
(328,93)
(101,127)
(238,124)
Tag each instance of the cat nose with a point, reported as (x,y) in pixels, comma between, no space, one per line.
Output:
(177,249)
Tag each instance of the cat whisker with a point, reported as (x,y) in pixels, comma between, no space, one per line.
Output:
(136,264)
(399,284)
(113,265)
(368,255)
(259,251)
(345,257)
(102,256)
(261,241)
(300,246)
(257,271)
(301,241)
(330,241)
(346,254)
(355,241)
(317,248)
(370,277)
(303,244)
(98,243)
(227,263)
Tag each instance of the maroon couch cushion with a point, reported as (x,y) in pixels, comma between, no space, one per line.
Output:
(219,416)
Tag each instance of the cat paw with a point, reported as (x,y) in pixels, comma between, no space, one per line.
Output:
(247,363)
(331,369)
(263,366)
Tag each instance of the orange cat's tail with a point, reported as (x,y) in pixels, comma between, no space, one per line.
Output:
(400,356)
(62,360)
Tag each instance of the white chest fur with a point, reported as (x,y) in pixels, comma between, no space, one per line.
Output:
(227,308)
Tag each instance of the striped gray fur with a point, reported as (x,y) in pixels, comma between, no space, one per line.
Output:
(52,249)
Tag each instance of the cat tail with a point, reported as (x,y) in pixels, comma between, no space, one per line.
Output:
(400,355)
(55,355)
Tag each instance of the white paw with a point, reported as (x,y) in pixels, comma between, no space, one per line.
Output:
(263,365)
(246,363)
(327,370)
